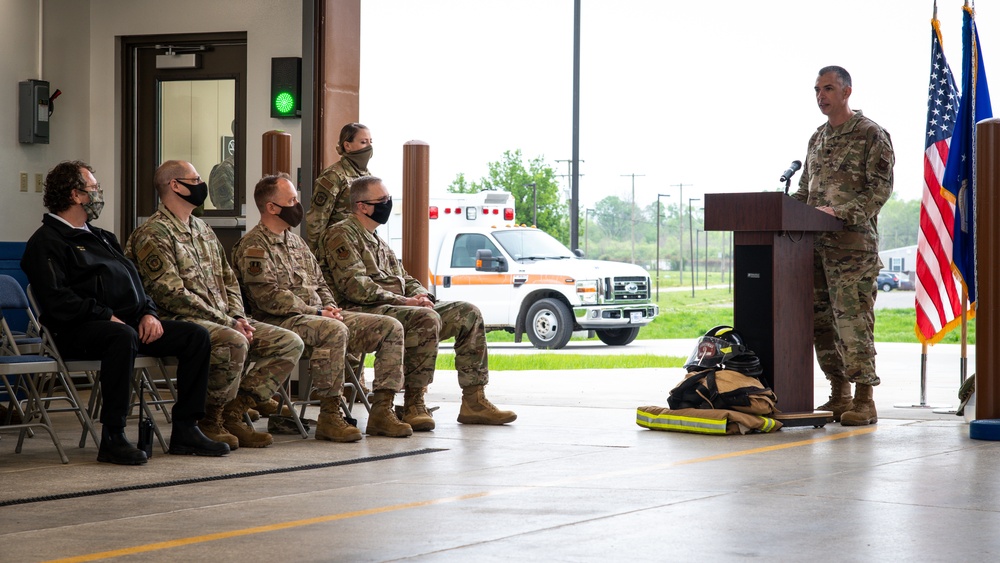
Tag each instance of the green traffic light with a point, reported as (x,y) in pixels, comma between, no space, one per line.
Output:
(284,103)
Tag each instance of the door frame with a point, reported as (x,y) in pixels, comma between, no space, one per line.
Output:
(130,183)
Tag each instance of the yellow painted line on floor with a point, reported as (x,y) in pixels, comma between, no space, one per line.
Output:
(444,500)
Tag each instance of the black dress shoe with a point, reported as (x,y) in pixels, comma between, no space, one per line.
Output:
(115,448)
(187,439)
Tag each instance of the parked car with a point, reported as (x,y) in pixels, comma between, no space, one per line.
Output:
(888,281)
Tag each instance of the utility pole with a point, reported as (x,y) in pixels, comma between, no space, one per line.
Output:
(706,259)
(633,175)
(574,189)
(586,229)
(569,169)
(658,212)
(534,202)
(691,238)
(680,226)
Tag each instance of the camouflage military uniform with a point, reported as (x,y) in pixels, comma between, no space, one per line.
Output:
(365,275)
(331,200)
(848,168)
(184,270)
(285,287)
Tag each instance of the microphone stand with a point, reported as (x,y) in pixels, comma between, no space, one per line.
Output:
(788,184)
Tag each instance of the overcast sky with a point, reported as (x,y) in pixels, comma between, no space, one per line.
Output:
(715,95)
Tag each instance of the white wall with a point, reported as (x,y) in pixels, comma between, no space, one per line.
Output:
(65,64)
(273,30)
(81,57)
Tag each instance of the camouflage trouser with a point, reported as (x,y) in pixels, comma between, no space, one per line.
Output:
(844,293)
(425,328)
(274,352)
(328,341)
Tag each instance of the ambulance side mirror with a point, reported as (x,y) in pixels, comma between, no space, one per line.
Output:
(486,262)
(578,253)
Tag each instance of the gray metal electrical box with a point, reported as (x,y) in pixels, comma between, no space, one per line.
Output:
(33,111)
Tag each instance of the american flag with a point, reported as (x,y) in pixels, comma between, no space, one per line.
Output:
(937,301)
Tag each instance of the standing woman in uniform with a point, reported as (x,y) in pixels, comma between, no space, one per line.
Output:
(331,198)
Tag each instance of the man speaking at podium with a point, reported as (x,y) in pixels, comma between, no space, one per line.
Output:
(848,174)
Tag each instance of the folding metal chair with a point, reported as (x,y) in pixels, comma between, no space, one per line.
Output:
(351,387)
(90,369)
(30,371)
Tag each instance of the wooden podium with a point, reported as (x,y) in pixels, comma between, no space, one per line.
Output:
(773,284)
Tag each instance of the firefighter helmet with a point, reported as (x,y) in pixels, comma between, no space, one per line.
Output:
(718,346)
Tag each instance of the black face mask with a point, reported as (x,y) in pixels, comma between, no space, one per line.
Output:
(198,193)
(291,214)
(381,212)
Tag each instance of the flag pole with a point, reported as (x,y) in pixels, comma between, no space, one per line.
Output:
(923,344)
(963,362)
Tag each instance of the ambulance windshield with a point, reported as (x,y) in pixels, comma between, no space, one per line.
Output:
(525,244)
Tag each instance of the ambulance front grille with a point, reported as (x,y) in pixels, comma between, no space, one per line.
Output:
(625,289)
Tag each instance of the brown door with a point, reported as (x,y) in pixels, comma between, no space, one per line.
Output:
(185,99)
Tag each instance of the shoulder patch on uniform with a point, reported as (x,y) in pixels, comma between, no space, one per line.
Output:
(883,165)
(143,251)
(342,252)
(255,252)
(153,263)
(319,199)
(254,268)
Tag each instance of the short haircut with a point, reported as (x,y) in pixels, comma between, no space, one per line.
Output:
(168,171)
(267,187)
(347,134)
(842,75)
(60,183)
(361,187)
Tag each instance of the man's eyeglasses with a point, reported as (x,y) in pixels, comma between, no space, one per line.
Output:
(97,189)
(385,199)
(195,180)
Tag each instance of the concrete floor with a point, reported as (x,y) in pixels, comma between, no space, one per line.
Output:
(573,479)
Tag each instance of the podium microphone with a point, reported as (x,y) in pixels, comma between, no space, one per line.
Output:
(787,174)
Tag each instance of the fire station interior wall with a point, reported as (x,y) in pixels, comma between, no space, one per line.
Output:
(80,54)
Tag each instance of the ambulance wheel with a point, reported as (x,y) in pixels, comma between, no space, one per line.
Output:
(549,324)
(618,336)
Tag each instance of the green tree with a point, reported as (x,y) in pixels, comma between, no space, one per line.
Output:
(461,186)
(614,215)
(898,223)
(509,174)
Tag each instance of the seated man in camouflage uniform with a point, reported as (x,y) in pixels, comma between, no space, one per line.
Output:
(366,276)
(184,269)
(285,286)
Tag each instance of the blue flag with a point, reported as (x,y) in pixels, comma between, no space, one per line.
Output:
(960,172)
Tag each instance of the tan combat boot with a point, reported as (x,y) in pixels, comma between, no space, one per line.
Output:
(211,427)
(862,410)
(331,424)
(415,412)
(232,421)
(840,399)
(477,409)
(382,420)
(268,408)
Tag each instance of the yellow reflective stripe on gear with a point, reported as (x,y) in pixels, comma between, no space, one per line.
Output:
(680,423)
(768,424)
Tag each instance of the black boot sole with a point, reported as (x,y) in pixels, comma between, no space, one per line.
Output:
(189,450)
(120,461)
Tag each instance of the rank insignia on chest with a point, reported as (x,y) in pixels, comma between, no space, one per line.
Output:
(342,253)
(81,249)
(255,269)
(319,199)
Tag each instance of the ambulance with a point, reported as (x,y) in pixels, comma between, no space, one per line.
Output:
(522,279)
